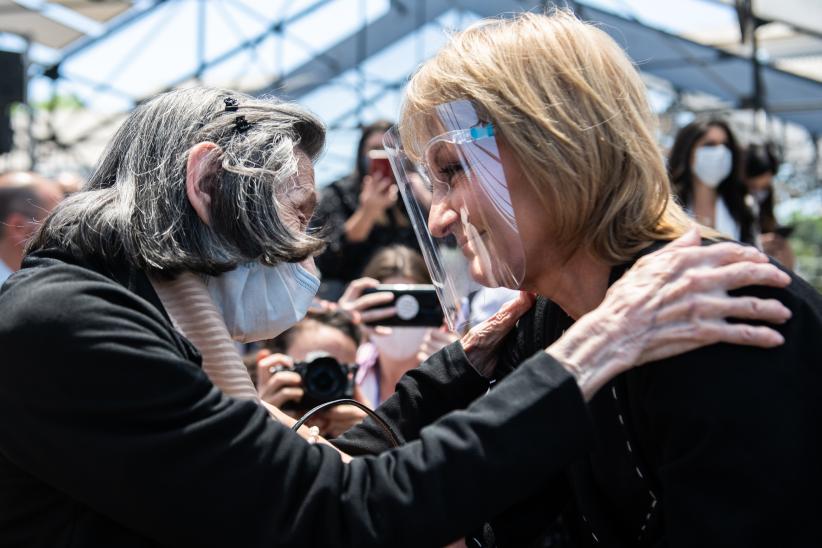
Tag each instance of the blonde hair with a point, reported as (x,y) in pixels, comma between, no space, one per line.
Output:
(573,109)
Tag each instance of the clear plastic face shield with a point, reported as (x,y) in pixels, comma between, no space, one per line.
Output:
(458,200)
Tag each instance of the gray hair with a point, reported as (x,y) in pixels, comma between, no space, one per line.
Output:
(134,207)
(18,199)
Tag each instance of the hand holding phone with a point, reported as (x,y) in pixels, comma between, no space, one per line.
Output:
(415,305)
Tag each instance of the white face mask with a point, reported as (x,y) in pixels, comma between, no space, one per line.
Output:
(401,344)
(712,164)
(259,302)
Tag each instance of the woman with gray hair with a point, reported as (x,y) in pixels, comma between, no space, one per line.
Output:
(131,420)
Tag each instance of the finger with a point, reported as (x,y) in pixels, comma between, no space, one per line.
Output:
(749,335)
(738,275)
(267,363)
(510,312)
(355,288)
(690,238)
(497,326)
(375,315)
(280,381)
(372,299)
(280,397)
(728,253)
(698,307)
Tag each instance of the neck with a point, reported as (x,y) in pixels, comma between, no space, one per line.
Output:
(391,371)
(578,287)
(11,254)
(703,203)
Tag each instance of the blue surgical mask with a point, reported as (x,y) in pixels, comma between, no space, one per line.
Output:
(258,302)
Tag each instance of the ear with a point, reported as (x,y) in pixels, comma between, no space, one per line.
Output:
(199,167)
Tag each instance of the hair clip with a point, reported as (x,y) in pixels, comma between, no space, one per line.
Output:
(241,124)
(231,104)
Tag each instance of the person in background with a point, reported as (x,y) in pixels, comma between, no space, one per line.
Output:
(390,352)
(358,215)
(761,164)
(329,332)
(25,200)
(705,168)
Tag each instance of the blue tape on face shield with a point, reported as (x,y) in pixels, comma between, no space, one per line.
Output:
(459,203)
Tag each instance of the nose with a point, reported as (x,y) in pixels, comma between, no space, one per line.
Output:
(441,217)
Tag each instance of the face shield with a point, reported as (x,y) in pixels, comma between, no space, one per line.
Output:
(459,204)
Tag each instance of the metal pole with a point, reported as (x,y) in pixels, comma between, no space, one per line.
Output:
(201,32)
(27,105)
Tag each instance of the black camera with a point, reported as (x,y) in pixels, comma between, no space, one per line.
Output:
(324,379)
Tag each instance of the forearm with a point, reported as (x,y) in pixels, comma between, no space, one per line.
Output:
(444,382)
(359,225)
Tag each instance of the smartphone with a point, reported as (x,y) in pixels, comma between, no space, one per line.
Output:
(417,305)
(378,164)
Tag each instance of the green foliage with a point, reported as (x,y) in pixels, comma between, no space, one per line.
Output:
(806,242)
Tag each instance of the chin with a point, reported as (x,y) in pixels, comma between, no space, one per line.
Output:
(489,276)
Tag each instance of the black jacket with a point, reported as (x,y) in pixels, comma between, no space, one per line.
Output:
(112,436)
(344,260)
(717,447)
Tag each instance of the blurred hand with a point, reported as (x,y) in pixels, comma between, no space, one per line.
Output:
(340,419)
(377,194)
(366,308)
(434,341)
(673,301)
(779,248)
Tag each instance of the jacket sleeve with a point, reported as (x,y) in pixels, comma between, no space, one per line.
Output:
(444,382)
(732,433)
(114,417)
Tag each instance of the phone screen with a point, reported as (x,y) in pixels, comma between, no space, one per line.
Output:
(378,164)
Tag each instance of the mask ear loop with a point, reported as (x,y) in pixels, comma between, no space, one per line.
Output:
(389,433)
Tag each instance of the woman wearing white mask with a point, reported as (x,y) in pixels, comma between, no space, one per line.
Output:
(386,357)
(130,420)
(705,169)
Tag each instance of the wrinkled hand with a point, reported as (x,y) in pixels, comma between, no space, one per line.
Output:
(670,302)
(434,341)
(363,308)
(481,342)
(377,194)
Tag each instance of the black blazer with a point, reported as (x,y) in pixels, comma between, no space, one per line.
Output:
(112,436)
(717,447)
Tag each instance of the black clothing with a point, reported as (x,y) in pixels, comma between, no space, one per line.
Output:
(343,261)
(717,447)
(113,436)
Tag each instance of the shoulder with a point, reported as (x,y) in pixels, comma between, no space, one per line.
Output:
(54,298)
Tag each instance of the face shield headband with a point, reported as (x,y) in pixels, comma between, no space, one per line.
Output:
(460,207)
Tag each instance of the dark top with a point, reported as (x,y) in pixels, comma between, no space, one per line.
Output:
(113,436)
(717,447)
(343,260)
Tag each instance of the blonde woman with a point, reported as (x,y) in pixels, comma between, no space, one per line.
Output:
(537,143)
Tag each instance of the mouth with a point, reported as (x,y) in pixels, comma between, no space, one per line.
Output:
(466,240)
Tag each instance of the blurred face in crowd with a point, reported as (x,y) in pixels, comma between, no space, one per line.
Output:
(317,337)
(713,137)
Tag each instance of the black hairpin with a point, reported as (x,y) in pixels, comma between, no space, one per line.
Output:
(241,124)
(231,104)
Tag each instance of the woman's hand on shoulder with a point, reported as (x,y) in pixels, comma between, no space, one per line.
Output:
(673,301)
